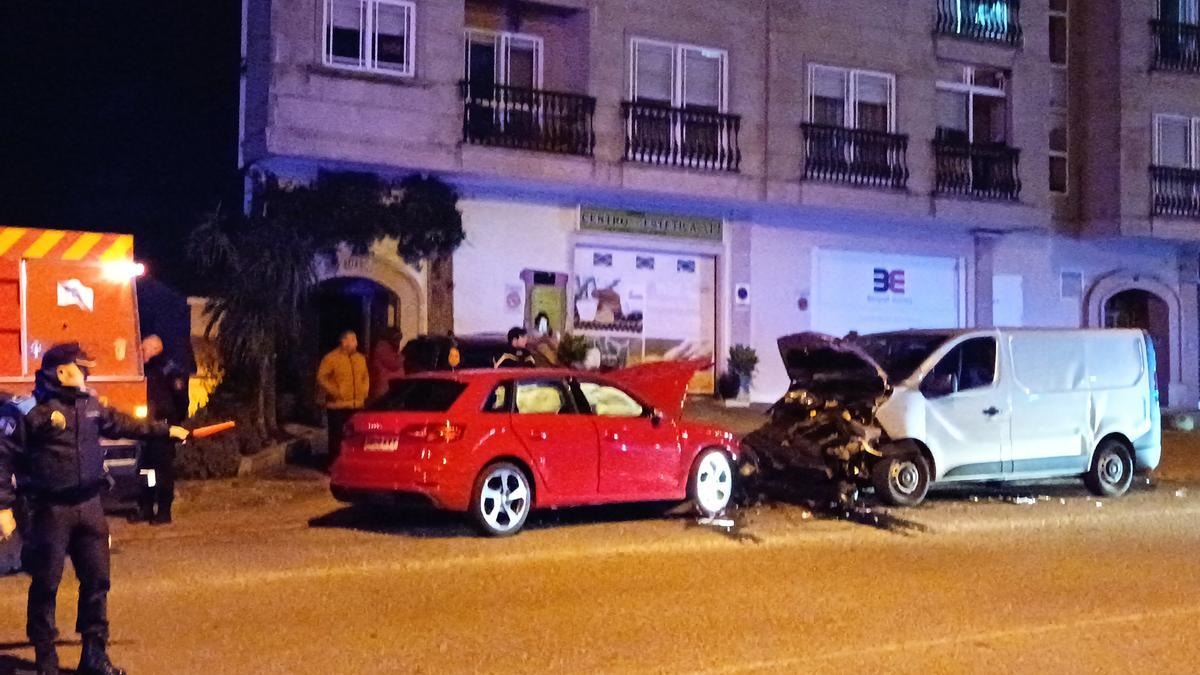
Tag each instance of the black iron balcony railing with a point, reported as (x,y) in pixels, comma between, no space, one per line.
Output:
(528,119)
(1176,46)
(855,156)
(1176,192)
(986,171)
(984,20)
(683,137)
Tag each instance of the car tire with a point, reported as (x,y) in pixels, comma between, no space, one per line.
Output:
(1111,472)
(501,499)
(901,481)
(710,486)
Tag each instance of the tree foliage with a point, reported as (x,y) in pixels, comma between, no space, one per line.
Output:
(260,266)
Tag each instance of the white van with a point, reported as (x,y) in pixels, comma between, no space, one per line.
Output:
(975,405)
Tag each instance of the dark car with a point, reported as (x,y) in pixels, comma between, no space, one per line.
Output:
(426,353)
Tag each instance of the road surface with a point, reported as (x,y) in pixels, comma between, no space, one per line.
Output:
(275,577)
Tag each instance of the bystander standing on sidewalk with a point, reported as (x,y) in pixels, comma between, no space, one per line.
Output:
(344,382)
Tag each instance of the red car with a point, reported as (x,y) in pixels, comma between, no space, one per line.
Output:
(498,443)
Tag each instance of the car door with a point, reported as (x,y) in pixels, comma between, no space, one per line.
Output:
(967,411)
(560,438)
(639,453)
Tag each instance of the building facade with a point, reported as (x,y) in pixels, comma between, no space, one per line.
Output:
(672,177)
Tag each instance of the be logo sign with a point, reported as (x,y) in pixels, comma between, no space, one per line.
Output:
(889,281)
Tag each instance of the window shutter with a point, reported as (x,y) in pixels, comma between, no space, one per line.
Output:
(702,78)
(654,67)
(1174,142)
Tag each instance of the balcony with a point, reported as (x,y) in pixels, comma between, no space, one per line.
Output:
(528,119)
(1176,47)
(681,137)
(855,156)
(983,171)
(1176,192)
(981,20)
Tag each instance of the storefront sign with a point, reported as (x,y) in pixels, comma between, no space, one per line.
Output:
(634,222)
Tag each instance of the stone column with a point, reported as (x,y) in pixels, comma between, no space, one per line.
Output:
(1186,392)
(985,247)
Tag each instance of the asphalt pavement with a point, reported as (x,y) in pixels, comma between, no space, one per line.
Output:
(273,576)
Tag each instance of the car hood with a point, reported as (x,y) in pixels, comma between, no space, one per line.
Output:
(662,384)
(820,362)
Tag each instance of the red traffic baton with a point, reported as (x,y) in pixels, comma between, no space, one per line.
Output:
(205,432)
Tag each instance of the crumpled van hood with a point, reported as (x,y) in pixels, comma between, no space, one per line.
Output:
(823,363)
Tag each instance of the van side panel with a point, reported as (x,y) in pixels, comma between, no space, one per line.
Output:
(1051,425)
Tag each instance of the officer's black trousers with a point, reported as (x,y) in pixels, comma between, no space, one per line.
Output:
(79,531)
(159,456)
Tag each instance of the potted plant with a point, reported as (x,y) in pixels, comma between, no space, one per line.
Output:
(729,385)
(743,361)
(572,350)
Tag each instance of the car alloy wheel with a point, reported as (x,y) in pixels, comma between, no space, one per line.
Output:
(503,499)
(712,482)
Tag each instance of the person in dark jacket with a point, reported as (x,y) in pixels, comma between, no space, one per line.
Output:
(518,354)
(12,431)
(63,463)
(166,401)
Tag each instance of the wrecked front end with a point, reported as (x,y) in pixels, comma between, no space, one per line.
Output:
(824,428)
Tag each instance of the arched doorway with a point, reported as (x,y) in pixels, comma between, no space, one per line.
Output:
(1139,308)
(336,304)
(353,303)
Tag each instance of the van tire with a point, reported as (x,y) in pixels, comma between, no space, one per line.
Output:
(901,481)
(1111,472)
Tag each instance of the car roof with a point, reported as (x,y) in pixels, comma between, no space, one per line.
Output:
(473,374)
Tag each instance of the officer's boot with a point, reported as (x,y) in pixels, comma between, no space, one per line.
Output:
(95,659)
(46,657)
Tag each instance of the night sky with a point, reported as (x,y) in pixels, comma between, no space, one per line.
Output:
(119,115)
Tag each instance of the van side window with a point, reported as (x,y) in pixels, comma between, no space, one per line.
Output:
(970,365)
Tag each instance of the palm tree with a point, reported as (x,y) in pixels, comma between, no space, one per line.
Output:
(261,265)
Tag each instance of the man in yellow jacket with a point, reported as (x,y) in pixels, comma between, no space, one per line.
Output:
(343,379)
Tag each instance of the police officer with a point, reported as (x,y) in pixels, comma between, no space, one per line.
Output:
(65,465)
(166,401)
(517,355)
(12,431)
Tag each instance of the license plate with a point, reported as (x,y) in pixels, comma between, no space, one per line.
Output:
(381,444)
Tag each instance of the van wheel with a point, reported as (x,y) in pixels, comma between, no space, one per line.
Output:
(1112,470)
(501,500)
(901,481)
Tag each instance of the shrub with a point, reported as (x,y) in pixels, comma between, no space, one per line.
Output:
(743,360)
(219,456)
(572,349)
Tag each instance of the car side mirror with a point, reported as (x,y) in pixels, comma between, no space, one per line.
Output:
(938,386)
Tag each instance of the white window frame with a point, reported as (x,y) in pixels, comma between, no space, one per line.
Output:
(1064,155)
(368,52)
(967,86)
(1194,142)
(850,95)
(502,43)
(678,76)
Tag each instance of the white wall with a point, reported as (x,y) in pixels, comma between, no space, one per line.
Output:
(781,274)
(504,238)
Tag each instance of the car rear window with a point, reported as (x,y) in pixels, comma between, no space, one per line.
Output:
(419,395)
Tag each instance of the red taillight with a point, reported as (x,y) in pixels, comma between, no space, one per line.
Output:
(433,433)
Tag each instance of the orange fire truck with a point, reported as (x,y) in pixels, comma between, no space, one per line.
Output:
(59,286)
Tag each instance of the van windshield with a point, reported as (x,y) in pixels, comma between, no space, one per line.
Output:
(900,354)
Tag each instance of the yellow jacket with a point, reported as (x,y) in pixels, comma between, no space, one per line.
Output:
(343,379)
